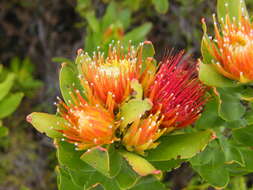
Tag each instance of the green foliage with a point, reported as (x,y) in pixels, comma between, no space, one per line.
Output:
(236,183)
(16,81)
(9,104)
(47,123)
(3,131)
(24,73)
(9,101)
(230,107)
(76,170)
(161,6)
(111,27)
(182,146)
(68,81)
(210,165)
(234,8)
(229,112)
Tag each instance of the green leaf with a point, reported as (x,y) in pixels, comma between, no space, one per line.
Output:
(127,177)
(210,76)
(47,123)
(149,183)
(167,165)
(203,157)
(132,110)
(92,21)
(64,180)
(69,157)
(181,146)
(62,60)
(209,118)
(6,85)
(207,57)
(98,178)
(15,64)
(79,177)
(134,5)
(1,68)
(247,94)
(235,124)
(216,175)
(244,135)
(234,8)
(140,165)
(98,158)
(137,87)
(69,81)
(110,15)
(238,170)
(138,34)
(3,131)
(213,170)
(96,187)
(115,161)
(248,155)
(10,104)
(249,117)
(108,162)
(81,173)
(232,153)
(239,183)
(148,50)
(124,17)
(161,6)
(230,108)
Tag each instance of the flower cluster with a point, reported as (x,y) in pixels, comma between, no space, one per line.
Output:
(232,48)
(171,93)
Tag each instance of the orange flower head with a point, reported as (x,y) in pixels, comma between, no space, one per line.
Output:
(143,133)
(232,49)
(88,125)
(177,92)
(109,79)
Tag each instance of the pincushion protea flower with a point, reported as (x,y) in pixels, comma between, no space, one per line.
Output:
(128,99)
(107,84)
(177,92)
(109,79)
(232,49)
(143,133)
(88,125)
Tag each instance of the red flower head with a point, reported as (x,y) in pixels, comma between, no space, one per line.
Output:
(88,125)
(177,92)
(232,49)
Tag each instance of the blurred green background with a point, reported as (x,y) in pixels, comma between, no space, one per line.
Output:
(36,35)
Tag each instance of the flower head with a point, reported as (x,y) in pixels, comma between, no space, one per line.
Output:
(88,125)
(177,92)
(110,78)
(126,97)
(143,133)
(232,49)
